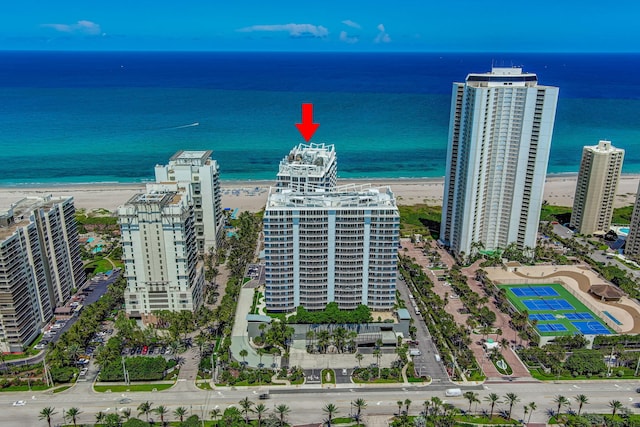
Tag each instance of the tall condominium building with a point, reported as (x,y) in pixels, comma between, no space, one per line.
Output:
(199,175)
(339,245)
(596,188)
(632,245)
(39,265)
(160,253)
(307,167)
(499,139)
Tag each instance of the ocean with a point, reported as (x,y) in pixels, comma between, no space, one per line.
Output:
(83,117)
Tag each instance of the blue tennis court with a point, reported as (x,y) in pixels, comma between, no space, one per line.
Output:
(551,327)
(542,316)
(578,316)
(591,328)
(536,291)
(547,304)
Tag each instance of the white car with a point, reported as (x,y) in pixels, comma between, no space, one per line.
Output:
(19,403)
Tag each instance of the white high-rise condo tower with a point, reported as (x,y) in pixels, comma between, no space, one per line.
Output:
(39,265)
(337,245)
(308,167)
(632,245)
(198,175)
(499,139)
(596,188)
(160,253)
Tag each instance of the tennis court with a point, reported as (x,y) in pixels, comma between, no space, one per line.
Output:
(547,304)
(552,327)
(579,316)
(554,310)
(537,291)
(542,316)
(591,328)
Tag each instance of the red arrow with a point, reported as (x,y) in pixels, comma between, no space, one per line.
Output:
(307,128)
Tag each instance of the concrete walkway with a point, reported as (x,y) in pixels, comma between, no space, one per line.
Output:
(239,338)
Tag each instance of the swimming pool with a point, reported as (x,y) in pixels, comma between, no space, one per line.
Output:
(624,230)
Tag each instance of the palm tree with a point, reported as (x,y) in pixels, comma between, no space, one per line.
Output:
(73,414)
(215,413)
(511,399)
(399,403)
(532,407)
(436,403)
(407,403)
(492,399)
(244,353)
(561,401)
(112,420)
(180,412)
(472,397)
(615,406)
(246,405)
(126,413)
(161,410)
(145,408)
(582,400)
(377,355)
(100,417)
(46,414)
(359,357)
(282,410)
(360,404)
(331,410)
(260,409)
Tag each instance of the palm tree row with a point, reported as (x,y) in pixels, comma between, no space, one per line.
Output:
(434,409)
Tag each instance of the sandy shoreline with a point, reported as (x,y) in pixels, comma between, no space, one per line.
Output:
(251,195)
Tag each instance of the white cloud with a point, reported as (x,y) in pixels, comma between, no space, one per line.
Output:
(350,23)
(82,27)
(294,30)
(383,36)
(348,39)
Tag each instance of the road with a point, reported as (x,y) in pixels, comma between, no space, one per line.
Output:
(307,404)
(425,364)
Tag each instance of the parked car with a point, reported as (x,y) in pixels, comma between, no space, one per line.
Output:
(145,349)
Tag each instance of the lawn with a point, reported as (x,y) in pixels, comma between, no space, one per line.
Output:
(558,315)
(328,373)
(420,219)
(130,388)
(562,214)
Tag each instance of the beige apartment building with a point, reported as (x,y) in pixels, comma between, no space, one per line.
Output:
(596,187)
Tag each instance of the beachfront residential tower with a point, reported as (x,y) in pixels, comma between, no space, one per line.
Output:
(339,245)
(160,253)
(199,175)
(308,167)
(499,139)
(596,188)
(39,265)
(632,245)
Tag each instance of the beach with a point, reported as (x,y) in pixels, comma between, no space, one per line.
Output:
(251,195)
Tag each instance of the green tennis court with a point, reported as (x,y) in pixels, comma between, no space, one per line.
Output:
(554,310)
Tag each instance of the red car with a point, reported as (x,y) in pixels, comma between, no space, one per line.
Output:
(145,349)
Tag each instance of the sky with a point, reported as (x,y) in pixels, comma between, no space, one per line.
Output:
(328,25)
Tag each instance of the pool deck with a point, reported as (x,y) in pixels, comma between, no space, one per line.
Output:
(579,278)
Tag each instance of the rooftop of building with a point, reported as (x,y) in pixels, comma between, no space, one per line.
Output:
(156,197)
(351,195)
(192,158)
(18,214)
(603,146)
(501,76)
(308,156)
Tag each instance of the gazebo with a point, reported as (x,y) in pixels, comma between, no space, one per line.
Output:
(606,292)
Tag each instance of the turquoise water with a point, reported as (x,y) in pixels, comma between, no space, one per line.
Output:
(111,117)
